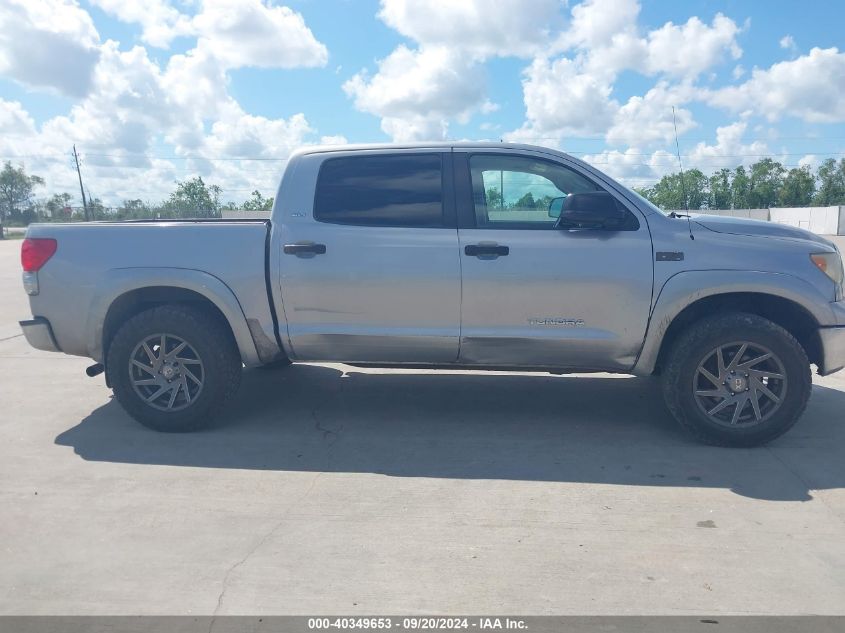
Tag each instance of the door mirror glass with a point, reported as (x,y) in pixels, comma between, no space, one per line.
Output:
(556,206)
(592,210)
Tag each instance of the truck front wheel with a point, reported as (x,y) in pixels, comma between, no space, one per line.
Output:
(173,367)
(737,380)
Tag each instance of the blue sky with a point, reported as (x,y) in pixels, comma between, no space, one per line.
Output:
(155,91)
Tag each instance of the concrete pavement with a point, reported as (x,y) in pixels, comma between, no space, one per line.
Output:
(332,489)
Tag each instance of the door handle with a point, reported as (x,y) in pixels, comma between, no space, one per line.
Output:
(486,251)
(305,248)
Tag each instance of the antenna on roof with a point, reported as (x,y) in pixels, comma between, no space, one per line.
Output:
(681,167)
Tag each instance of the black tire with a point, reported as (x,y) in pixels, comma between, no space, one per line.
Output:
(214,347)
(692,348)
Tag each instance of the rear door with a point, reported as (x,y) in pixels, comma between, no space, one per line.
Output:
(536,295)
(370,269)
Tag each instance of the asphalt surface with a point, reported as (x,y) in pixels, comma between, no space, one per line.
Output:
(331,489)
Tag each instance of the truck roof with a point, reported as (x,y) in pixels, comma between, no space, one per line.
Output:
(319,149)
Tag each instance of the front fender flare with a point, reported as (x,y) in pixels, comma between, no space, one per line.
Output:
(685,288)
(118,281)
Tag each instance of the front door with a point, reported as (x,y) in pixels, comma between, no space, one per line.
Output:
(535,295)
(370,270)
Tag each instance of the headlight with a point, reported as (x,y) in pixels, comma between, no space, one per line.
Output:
(831,265)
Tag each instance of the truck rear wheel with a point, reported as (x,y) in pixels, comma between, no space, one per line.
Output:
(173,367)
(737,380)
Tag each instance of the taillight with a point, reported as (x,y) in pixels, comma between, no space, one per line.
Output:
(35,252)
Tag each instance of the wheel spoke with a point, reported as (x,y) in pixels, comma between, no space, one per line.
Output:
(157,394)
(174,391)
(766,391)
(755,404)
(720,359)
(176,350)
(724,403)
(191,375)
(740,405)
(150,353)
(184,384)
(735,360)
(710,377)
(146,368)
(755,361)
(162,347)
(710,393)
(146,382)
(759,374)
(188,361)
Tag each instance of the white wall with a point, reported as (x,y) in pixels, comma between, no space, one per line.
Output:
(821,220)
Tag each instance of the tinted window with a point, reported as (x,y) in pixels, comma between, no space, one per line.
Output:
(516,191)
(385,190)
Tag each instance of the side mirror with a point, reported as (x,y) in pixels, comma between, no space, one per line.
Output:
(555,207)
(592,210)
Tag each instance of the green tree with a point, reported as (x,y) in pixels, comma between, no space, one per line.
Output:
(719,185)
(765,182)
(526,202)
(676,191)
(16,192)
(831,177)
(494,198)
(257,202)
(135,209)
(55,206)
(798,188)
(193,199)
(740,189)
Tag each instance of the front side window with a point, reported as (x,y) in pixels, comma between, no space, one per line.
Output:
(384,190)
(518,191)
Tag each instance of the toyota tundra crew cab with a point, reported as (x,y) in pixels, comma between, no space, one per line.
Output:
(473,256)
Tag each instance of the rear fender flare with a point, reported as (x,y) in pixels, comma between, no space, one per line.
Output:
(119,281)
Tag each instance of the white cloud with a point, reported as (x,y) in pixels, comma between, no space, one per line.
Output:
(573,95)
(560,100)
(507,27)
(160,21)
(251,33)
(689,49)
(728,151)
(810,87)
(633,167)
(638,168)
(238,33)
(788,42)
(416,92)
(48,44)
(648,119)
(595,23)
(14,120)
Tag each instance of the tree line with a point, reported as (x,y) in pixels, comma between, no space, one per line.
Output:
(766,183)
(192,198)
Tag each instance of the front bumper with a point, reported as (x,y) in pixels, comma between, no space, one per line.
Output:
(833,349)
(39,334)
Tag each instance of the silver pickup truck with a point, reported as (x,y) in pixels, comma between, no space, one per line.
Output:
(473,255)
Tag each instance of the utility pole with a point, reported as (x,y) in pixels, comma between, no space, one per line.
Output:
(78,173)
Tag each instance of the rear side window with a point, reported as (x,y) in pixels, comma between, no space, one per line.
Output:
(383,190)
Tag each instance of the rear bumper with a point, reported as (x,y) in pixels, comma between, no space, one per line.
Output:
(39,334)
(833,349)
